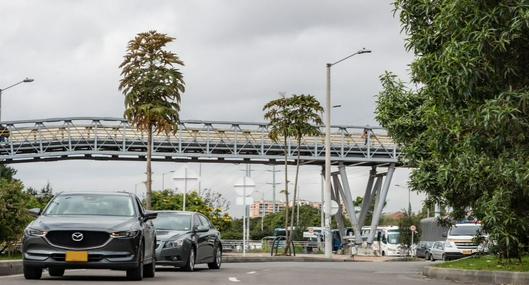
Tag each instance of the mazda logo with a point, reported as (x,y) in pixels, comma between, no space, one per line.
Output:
(77,236)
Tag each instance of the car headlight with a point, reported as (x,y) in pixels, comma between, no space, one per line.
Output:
(34,232)
(173,243)
(124,234)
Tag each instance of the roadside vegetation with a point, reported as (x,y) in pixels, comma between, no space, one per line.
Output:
(488,263)
(463,121)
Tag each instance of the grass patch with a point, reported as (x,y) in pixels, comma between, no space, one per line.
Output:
(11,257)
(488,263)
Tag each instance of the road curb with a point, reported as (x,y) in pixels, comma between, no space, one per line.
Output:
(477,276)
(10,267)
(240,259)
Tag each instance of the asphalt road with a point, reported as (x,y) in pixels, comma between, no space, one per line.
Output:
(289,273)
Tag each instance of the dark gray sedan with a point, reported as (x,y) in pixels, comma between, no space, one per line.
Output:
(186,239)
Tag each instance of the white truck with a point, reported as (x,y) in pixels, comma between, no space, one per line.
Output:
(461,240)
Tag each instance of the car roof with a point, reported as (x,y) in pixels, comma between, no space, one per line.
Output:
(96,193)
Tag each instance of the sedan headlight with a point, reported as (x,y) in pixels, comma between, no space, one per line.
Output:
(173,243)
(124,234)
(34,232)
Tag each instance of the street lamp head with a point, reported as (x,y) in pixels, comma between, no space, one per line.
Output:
(27,80)
(364,50)
(337,106)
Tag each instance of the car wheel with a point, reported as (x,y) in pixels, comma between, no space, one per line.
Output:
(445,258)
(431,257)
(190,264)
(31,272)
(149,270)
(56,272)
(136,274)
(217,261)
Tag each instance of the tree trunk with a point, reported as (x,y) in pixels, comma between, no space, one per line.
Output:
(290,236)
(287,247)
(149,169)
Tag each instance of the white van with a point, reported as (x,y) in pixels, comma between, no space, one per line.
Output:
(389,240)
(460,240)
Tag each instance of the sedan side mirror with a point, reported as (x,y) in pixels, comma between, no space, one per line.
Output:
(149,215)
(34,212)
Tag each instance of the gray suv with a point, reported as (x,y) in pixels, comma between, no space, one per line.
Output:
(91,231)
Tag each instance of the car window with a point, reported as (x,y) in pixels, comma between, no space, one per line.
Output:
(204,221)
(91,204)
(140,207)
(196,221)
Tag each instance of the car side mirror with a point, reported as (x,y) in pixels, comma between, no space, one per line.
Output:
(200,229)
(149,215)
(34,212)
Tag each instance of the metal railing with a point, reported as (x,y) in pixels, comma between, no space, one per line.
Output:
(207,141)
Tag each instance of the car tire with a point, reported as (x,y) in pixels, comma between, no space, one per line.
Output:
(56,272)
(217,259)
(32,273)
(136,274)
(445,258)
(432,258)
(149,270)
(190,264)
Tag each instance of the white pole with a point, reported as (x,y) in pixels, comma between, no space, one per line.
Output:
(185,188)
(244,216)
(327,196)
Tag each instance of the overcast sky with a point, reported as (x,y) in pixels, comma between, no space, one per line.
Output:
(238,55)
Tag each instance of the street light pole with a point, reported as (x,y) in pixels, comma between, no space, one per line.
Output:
(327,196)
(26,80)
(163,178)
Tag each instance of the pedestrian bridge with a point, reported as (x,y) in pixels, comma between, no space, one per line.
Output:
(196,141)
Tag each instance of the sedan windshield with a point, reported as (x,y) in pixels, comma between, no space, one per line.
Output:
(91,204)
(173,222)
(468,230)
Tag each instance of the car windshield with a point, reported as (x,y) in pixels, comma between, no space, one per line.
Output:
(173,222)
(467,230)
(91,204)
(393,237)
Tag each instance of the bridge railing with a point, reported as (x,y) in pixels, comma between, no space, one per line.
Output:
(69,136)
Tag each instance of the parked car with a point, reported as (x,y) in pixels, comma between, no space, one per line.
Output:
(423,249)
(187,239)
(90,230)
(444,250)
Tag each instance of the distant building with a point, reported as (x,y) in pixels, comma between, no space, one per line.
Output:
(258,207)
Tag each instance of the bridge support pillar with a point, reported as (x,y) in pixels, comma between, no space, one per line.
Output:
(345,192)
(368,195)
(379,204)
(335,195)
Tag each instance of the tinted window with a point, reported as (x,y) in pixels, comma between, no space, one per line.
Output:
(469,230)
(91,204)
(196,221)
(173,222)
(204,221)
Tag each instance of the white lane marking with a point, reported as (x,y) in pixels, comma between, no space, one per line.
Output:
(234,279)
(251,272)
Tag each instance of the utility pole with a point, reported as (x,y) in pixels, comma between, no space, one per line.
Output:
(274,183)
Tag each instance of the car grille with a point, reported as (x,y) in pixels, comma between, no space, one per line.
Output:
(89,239)
(466,245)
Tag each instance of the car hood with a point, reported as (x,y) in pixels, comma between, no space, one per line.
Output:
(101,223)
(164,235)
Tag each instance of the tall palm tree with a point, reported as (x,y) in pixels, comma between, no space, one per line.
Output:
(305,115)
(152,86)
(278,114)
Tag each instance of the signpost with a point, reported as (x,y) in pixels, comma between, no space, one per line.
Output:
(244,188)
(413,228)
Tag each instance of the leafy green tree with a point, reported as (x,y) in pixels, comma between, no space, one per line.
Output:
(168,200)
(305,111)
(278,114)
(152,86)
(13,212)
(39,199)
(464,126)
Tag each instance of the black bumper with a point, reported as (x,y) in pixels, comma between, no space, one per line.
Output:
(173,256)
(120,254)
